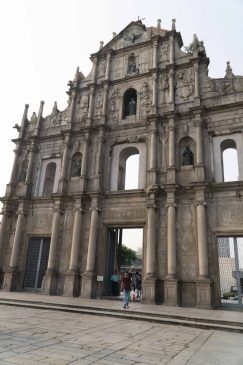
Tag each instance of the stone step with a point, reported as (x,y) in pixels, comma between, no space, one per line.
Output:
(202,323)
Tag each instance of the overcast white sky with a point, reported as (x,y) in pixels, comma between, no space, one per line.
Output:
(43,41)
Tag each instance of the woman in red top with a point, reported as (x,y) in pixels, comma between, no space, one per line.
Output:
(126,288)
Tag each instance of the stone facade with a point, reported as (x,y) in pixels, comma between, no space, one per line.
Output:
(143,95)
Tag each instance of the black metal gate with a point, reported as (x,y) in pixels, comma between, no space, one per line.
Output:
(230,255)
(36,263)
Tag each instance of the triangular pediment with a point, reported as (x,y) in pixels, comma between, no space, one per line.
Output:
(133,33)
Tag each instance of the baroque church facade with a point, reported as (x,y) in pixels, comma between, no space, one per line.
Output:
(66,198)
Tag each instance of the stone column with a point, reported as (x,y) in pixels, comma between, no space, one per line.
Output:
(30,164)
(199,150)
(172,50)
(153,155)
(88,278)
(63,180)
(3,229)
(171,89)
(171,177)
(91,102)
(72,107)
(15,164)
(72,279)
(94,70)
(105,93)
(197,89)
(150,281)
(204,285)
(171,292)
(49,280)
(39,118)
(154,97)
(97,182)
(155,53)
(108,66)
(84,162)
(24,120)
(11,276)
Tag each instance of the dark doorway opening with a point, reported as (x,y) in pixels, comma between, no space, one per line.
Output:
(125,247)
(36,264)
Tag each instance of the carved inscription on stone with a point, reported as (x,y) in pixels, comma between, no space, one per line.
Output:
(125,213)
(232,216)
(42,222)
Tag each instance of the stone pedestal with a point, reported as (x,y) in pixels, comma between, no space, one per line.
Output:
(149,290)
(10,281)
(200,172)
(88,289)
(49,283)
(62,185)
(171,175)
(71,284)
(171,292)
(204,294)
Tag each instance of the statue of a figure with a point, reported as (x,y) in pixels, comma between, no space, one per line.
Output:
(23,171)
(131,107)
(187,156)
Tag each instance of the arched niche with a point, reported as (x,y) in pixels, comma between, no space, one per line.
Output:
(76,163)
(129,103)
(122,172)
(186,152)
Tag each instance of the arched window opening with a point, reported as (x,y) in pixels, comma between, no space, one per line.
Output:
(76,163)
(49,179)
(229,160)
(23,171)
(130,103)
(128,169)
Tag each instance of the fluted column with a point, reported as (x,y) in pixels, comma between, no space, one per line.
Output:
(73,265)
(17,239)
(172,50)
(154,97)
(202,241)
(92,240)
(150,254)
(51,267)
(171,241)
(99,153)
(171,143)
(39,118)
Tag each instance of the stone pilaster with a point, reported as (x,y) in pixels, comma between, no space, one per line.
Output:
(108,66)
(94,74)
(104,107)
(72,277)
(172,50)
(153,154)
(171,287)
(98,180)
(199,149)
(171,89)
(150,281)
(24,121)
(171,170)
(84,162)
(91,106)
(89,277)
(13,178)
(196,88)
(30,164)
(11,277)
(39,119)
(204,285)
(49,280)
(63,179)
(155,53)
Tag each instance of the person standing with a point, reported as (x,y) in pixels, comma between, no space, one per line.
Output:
(114,284)
(138,285)
(126,288)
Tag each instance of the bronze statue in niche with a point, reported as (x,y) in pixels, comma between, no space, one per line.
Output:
(187,157)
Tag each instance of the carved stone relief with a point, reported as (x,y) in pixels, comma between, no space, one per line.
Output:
(145,100)
(164,54)
(184,83)
(164,89)
(98,103)
(101,69)
(114,104)
(145,61)
(84,106)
